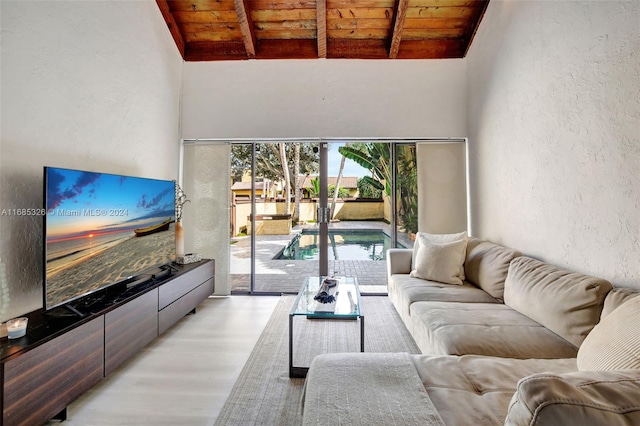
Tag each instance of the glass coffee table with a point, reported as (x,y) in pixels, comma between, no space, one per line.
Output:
(346,307)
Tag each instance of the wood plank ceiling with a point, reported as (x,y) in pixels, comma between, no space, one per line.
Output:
(214,30)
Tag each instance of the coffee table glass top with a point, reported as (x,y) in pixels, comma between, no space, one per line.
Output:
(347,304)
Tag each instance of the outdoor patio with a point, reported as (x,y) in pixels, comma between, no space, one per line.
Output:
(286,276)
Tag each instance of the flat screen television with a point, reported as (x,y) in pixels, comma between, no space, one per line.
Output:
(102,229)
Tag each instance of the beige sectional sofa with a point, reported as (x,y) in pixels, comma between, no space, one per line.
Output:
(509,305)
(518,342)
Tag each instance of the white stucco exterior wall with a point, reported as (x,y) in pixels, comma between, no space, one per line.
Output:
(324,98)
(91,85)
(554,133)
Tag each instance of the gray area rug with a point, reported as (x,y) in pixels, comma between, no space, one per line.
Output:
(265,395)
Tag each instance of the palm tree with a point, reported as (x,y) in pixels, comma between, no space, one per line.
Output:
(338,181)
(407,187)
(314,190)
(374,157)
(287,178)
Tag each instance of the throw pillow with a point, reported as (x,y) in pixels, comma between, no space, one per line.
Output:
(613,344)
(617,297)
(440,239)
(439,262)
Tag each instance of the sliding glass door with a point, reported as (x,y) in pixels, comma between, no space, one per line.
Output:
(299,208)
(359,230)
(242,184)
(273,200)
(309,208)
(336,214)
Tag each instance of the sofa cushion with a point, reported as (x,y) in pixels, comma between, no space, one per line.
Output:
(616,297)
(614,344)
(590,398)
(440,239)
(405,290)
(487,264)
(494,329)
(439,262)
(567,303)
(476,390)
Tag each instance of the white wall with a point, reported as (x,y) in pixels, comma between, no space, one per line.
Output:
(93,85)
(554,133)
(324,98)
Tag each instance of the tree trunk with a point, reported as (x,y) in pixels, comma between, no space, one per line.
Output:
(296,180)
(287,179)
(337,188)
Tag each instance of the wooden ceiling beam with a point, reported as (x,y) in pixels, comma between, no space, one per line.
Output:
(348,4)
(215,51)
(201,5)
(398,25)
(282,4)
(246,27)
(444,3)
(172,25)
(321,17)
(431,49)
(288,49)
(473,26)
(357,49)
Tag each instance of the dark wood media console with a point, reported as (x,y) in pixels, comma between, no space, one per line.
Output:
(60,358)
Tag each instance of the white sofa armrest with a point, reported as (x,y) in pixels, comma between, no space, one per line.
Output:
(399,261)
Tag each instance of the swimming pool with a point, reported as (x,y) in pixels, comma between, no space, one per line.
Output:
(344,244)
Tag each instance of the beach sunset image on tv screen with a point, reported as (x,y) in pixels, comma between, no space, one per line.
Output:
(102,229)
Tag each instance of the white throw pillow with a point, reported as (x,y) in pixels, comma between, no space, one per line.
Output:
(614,343)
(439,262)
(441,239)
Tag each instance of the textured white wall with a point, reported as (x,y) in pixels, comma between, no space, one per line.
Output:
(93,85)
(554,133)
(324,98)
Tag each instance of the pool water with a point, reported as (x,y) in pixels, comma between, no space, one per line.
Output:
(360,244)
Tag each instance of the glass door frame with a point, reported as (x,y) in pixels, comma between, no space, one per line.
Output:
(323,211)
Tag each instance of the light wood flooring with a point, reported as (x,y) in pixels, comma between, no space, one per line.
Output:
(183,377)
